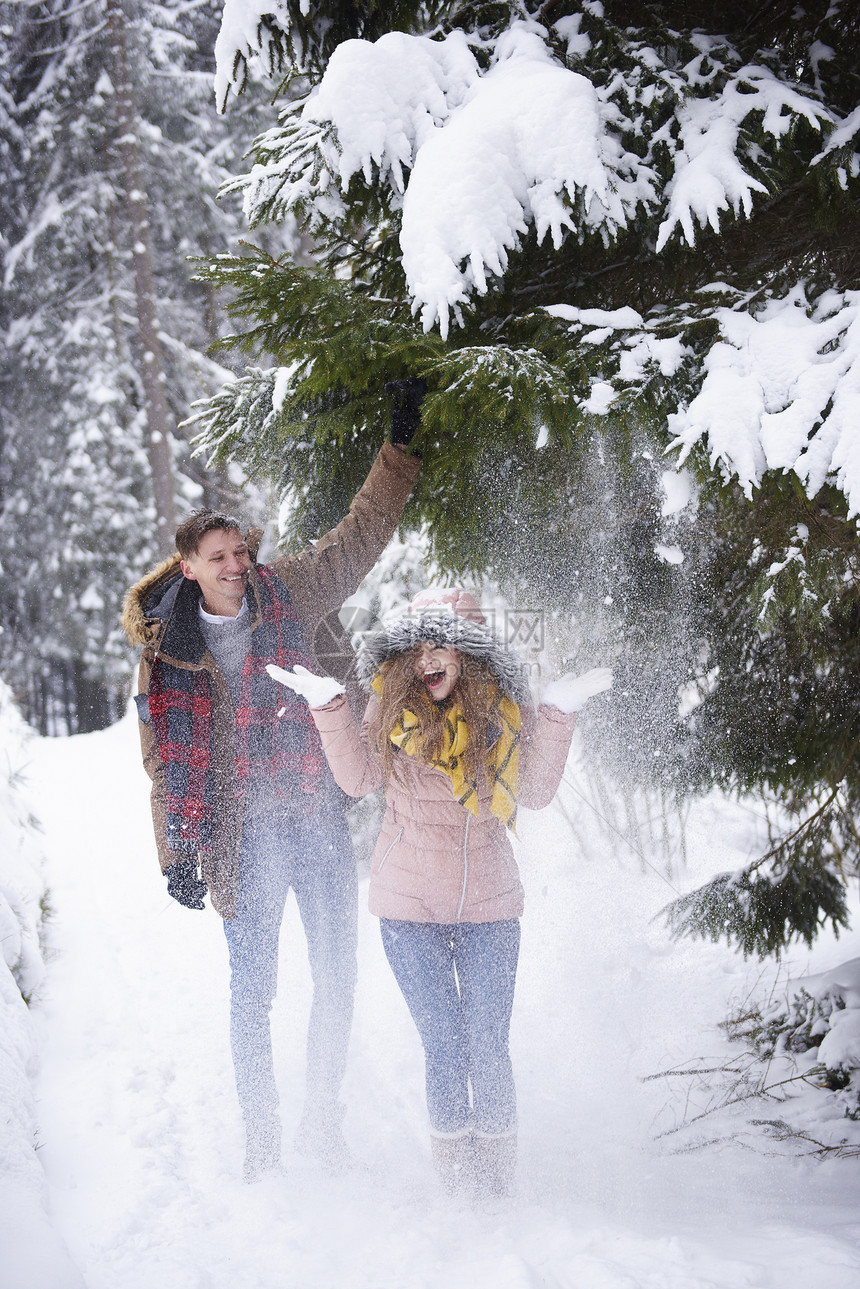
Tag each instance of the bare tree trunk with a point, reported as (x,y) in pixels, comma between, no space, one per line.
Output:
(152,360)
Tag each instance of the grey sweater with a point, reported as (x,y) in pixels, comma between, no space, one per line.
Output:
(229,642)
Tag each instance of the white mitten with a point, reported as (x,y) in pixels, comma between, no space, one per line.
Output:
(317,690)
(570,693)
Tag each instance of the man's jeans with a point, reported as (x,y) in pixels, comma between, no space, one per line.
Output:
(458,982)
(314,856)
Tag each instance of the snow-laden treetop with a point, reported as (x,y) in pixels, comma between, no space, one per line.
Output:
(477,144)
(478,157)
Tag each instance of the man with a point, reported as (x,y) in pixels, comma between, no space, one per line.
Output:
(243,803)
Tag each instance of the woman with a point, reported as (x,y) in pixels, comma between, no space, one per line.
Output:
(451,734)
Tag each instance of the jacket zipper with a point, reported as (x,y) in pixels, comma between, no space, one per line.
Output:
(390,849)
(465,866)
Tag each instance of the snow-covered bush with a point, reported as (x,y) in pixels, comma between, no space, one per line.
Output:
(23,898)
(23,912)
(32,1255)
(813,1033)
(794,1085)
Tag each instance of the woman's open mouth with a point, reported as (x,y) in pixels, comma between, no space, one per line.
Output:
(433,679)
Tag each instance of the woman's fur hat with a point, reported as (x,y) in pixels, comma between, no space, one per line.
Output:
(451,619)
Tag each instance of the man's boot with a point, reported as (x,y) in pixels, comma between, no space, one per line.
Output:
(453,1159)
(320,1136)
(262,1146)
(495,1164)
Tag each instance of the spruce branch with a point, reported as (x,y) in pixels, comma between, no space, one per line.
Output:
(763,912)
(817,815)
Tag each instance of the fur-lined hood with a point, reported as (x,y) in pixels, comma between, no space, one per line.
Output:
(144,611)
(451,619)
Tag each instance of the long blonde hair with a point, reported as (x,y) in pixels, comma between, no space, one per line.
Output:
(476,693)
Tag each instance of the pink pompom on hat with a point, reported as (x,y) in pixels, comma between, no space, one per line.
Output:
(452,619)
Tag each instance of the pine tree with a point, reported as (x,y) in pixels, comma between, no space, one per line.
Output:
(104,331)
(779,715)
(120,27)
(593,228)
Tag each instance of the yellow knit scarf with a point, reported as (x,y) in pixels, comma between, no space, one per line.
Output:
(503,757)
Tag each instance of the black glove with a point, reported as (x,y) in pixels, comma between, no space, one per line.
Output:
(406,416)
(184,884)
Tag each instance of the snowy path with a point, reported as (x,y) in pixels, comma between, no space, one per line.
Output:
(142,1133)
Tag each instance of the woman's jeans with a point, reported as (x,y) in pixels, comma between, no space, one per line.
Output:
(314,856)
(458,982)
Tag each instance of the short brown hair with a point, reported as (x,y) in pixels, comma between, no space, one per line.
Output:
(200,522)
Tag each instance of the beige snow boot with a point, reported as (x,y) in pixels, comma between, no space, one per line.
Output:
(495,1162)
(320,1136)
(453,1160)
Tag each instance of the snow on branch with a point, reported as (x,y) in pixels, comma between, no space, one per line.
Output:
(249,29)
(488,155)
(374,108)
(709,176)
(475,156)
(778,389)
(843,136)
(527,147)
(782,392)
(385,100)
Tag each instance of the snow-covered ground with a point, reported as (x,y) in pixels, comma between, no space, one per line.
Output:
(141,1131)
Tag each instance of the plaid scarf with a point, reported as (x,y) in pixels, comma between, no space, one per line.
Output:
(502,760)
(274,735)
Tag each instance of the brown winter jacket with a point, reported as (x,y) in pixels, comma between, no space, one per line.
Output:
(319,579)
(435,861)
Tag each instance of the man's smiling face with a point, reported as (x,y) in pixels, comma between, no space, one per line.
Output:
(220,565)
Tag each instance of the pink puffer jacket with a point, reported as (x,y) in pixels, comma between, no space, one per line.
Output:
(434,860)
